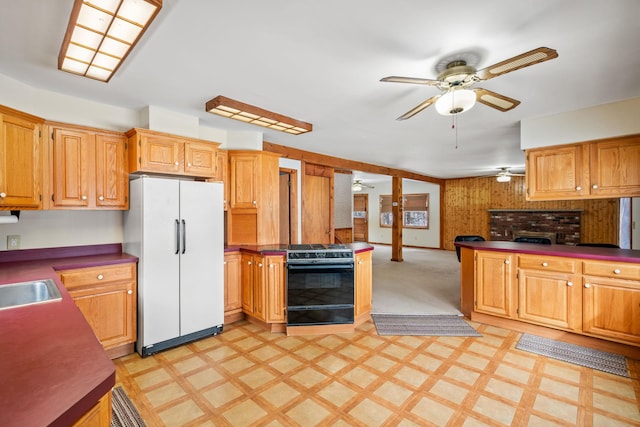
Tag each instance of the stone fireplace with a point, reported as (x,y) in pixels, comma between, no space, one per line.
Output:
(560,226)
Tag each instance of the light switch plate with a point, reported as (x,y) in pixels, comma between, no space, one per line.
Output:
(13,242)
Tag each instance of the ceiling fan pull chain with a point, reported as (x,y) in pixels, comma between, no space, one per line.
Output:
(454,122)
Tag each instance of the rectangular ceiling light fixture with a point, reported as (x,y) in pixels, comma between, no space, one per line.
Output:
(101,33)
(233,109)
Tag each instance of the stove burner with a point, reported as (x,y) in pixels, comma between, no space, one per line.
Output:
(319,253)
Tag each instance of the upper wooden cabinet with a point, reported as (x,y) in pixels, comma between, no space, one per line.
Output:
(598,169)
(88,169)
(20,160)
(253,212)
(157,152)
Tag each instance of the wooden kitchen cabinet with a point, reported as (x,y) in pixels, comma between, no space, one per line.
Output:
(274,286)
(263,288)
(494,284)
(363,288)
(107,297)
(20,160)
(253,211)
(611,295)
(88,169)
(253,296)
(157,152)
(222,174)
(99,415)
(549,291)
(232,287)
(597,169)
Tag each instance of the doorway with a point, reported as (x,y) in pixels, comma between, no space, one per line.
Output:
(317,204)
(288,184)
(360,218)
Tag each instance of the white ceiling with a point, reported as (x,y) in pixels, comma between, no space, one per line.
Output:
(321,62)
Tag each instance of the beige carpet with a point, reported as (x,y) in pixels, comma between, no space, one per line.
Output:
(426,282)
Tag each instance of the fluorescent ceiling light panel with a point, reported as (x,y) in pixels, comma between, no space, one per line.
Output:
(247,113)
(101,33)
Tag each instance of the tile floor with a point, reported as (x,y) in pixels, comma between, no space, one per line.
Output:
(246,376)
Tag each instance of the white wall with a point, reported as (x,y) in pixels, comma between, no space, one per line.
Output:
(429,238)
(602,121)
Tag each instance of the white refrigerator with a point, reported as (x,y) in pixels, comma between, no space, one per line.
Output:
(175,228)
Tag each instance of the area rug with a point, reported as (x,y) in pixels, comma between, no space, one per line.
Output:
(423,325)
(572,353)
(124,413)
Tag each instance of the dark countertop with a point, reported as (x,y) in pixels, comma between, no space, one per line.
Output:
(585,252)
(52,367)
(281,249)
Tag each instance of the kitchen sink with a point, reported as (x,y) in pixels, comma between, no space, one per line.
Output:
(27,293)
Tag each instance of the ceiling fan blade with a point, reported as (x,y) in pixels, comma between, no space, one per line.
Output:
(495,100)
(535,56)
(412,80)
(418,108)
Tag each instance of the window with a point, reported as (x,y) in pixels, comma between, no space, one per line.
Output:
(415,211)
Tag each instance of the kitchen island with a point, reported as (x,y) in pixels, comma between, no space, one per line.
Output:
(579,294)
(53,368)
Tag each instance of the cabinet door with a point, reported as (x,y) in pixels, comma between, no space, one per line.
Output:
(222,161)
(246,273)
(550,299)
(200,159)
(364,277)
(494,283)
(259,288)
(72,153)
(615,167)
(244,172)
(557,173)
(20,165)
(160,154)
(275,289)
(110,311)
(232,282)
(112,175)
(611,308)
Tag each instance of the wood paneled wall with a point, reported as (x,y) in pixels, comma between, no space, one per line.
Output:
(467,201)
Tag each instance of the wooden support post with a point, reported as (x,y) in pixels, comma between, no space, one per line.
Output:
(396,209)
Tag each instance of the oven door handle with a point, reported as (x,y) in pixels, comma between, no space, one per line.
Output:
(320,266)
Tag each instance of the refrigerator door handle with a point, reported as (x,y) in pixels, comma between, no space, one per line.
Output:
(184,236)
(177,237)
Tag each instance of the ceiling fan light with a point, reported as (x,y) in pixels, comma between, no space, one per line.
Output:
(356,187)
(503,178)
(456,101)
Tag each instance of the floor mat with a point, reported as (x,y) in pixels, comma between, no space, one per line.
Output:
(425,325)
(124,413)
(572,353)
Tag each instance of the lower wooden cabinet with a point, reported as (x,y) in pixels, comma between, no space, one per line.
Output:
(494,284)
(274,285)
(98,416)
(549,292)
(232,287)
(611,294)
(106,296)
(363,289)
(263,287)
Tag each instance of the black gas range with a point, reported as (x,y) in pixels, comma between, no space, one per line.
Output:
(319,254)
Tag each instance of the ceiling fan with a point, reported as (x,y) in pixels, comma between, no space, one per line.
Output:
(457,78)
(358,185)
(504,175)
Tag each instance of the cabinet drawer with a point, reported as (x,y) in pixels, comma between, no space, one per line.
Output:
(562,265)
(618,270)
(95,275)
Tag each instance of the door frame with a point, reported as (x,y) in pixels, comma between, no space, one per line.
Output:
(293,203)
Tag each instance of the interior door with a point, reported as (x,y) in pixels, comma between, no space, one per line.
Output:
(317,210)
(285,203)
(360,217)
(201,256)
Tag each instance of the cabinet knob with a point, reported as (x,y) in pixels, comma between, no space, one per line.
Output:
(578,188)
(506,261)
(84,197)
(100,277)
(587,285)
(129,292)
(544,264)
(271,265)
(224,262)
(3,195)
(594,186)
(254,202)
(617,271)
(101,198)
(249,263)
(260,264)
(176,163)
(569,283)
(189,164)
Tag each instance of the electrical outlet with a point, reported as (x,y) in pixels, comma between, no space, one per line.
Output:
(13,242)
